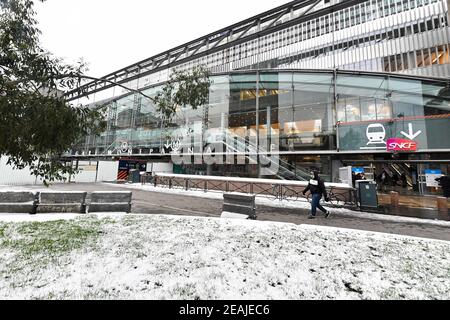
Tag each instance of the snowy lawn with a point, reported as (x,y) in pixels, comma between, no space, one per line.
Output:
(170,257)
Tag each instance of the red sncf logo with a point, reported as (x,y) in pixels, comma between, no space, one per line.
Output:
(396,144)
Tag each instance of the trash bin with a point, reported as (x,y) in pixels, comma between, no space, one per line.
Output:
(367,194)
(134,176)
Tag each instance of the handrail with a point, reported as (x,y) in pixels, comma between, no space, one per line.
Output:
(300,174)
(252,180)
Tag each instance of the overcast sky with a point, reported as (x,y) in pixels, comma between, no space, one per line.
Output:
(112,34)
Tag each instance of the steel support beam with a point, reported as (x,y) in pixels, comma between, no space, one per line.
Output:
(192,48)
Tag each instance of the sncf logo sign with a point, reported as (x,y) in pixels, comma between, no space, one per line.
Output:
(397,144)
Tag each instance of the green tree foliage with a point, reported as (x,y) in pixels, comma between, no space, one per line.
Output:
(37,125)
(184,88)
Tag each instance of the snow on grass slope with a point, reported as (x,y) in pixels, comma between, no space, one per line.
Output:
(170,257)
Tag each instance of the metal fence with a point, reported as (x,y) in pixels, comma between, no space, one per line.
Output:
(340,194)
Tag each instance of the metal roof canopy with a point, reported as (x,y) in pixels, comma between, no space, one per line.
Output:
(211,43)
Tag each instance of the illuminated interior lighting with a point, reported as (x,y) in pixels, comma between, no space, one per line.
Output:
(437,57)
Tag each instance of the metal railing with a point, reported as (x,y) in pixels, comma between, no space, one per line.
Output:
(276,189)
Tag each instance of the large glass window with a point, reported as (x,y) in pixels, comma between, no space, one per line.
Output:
(311,125)
(433,56)
(362,98)
(419,58)
(297,108)
(426,57)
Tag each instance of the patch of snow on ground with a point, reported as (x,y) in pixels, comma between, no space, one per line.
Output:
(170,257)
(41,217)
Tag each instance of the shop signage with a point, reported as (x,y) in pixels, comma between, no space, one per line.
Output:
(376,134)
(397,144)
(411,135)
(388,136)
(431,176)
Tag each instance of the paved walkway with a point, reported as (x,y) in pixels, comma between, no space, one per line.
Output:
(159,203)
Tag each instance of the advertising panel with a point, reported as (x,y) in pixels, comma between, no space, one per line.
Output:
(431,176)
(401,145)
(395,135)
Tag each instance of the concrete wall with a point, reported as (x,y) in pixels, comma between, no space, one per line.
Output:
(160,167)
(107,171)
(96,171)
(87,173)
(11,177)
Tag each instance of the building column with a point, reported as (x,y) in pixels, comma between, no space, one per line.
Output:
(448,10)
(257,125)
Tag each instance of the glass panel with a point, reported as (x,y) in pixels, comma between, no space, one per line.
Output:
(386,64)
(399,62)
(411,109)
(419,58)
(368,109)
(365,86)
(384,109)
(365,98)
(231,125)
(341,112)
(393,64)
(352,109)
(235,105)
(434,56)
(308,123)
(405,61)
(147,134)
(412,60)
(426,57)
(441,55)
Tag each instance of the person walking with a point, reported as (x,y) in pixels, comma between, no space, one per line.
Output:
(317,188)
(395,179)
(353,179)
(444,182)
(385,180)
(404,181)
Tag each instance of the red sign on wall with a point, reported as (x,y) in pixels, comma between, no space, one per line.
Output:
(397,144)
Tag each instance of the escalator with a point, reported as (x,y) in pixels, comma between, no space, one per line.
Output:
(232,143)
(399,169)
(284,170)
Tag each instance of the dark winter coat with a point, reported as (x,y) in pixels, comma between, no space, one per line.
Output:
(444,182)
(386,180)
(316,185)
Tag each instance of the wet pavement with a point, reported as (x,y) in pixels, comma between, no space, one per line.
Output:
(146,202)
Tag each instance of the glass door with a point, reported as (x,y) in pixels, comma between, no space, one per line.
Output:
(428,172)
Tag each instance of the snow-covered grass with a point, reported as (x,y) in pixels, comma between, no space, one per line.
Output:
(170,257)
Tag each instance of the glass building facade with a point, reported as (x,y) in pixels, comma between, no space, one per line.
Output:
(399,36)
(319,84)
(316,119)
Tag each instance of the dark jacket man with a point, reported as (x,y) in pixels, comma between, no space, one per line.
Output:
(316,185)
(444,182)
(317,188)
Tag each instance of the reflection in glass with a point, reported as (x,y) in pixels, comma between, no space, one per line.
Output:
(295,109)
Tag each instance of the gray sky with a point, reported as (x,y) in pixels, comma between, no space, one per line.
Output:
(112,34)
